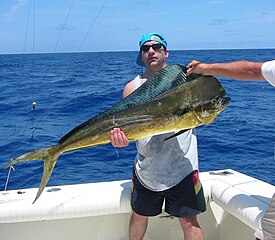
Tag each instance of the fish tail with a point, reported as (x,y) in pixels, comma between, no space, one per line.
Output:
(49,155)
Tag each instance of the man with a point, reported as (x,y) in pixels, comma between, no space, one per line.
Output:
(244,70)
(162,169)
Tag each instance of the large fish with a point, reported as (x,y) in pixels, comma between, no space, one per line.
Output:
(167,102)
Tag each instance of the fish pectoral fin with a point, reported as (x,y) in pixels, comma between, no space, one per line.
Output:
(176,134)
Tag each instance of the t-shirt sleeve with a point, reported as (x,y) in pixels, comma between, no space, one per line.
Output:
(268,71)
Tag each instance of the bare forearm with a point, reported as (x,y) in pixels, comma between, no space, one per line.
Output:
(242,70)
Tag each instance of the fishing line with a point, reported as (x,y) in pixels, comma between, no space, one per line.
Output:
(117,154)
(15,120)
(24,51)
(56,45)
(92,25)
(27,27)
(8,177)
(34,102)
(33,98)
(62,30)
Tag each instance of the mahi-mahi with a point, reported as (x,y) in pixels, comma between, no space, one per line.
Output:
(167,102)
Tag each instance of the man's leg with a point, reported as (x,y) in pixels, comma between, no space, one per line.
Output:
(137,227)
(191,228)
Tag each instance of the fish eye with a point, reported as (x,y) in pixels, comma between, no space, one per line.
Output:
(213,101)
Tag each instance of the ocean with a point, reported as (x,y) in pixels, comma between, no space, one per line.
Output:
(70,88)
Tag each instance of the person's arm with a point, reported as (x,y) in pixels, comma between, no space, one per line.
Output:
(241,70)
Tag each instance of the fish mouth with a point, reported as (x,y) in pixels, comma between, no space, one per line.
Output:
(225,101)
(222,103)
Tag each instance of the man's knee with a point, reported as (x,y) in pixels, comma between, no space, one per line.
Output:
(188,222)
(138,218)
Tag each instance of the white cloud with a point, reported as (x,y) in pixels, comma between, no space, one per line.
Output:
(216,22)
(13,9)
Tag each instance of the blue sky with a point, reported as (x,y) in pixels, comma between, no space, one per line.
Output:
(197,24)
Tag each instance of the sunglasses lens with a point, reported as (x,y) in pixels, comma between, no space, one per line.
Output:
(156,46)
(145,48)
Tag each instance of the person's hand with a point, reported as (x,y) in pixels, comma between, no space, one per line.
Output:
(194,67)
(118,138)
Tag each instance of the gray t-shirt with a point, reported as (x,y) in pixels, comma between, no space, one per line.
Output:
(159,164)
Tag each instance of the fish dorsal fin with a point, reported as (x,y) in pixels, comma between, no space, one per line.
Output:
(163,81)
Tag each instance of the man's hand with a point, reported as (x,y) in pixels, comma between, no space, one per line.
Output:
(194,67)
(118,138)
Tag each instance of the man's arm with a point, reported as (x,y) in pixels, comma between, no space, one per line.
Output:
(241,70)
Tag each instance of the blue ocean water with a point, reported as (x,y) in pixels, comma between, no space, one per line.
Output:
(71,88)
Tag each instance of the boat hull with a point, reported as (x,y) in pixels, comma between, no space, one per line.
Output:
(235,203)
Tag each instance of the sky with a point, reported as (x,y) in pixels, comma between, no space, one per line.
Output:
(34,26)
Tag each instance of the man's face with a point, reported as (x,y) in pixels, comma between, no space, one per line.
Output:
(153,54)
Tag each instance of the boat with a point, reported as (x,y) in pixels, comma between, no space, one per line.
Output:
(101,210)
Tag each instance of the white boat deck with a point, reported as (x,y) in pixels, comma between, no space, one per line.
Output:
(235,203)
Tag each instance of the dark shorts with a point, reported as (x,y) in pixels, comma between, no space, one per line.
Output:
(186,199)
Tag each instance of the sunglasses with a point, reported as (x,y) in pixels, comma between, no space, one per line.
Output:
(156,46)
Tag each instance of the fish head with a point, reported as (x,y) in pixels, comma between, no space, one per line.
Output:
(209,109)
(209,98)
